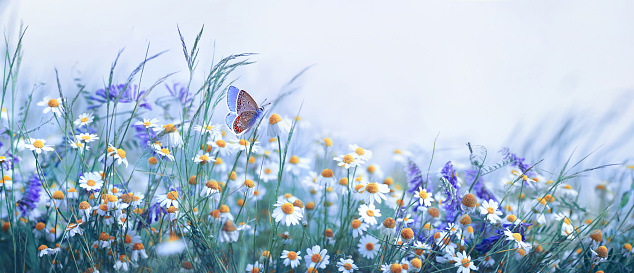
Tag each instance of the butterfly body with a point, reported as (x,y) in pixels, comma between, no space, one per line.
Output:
(243,111)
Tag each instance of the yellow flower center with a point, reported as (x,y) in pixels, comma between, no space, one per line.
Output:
(372,188)
(369,246)
(568,187)
(491,210)
(169,128)
(58,195)
(221,143)
(243,142)
(165,151)
(511,218)
(294,160)
(316,258)
(267,171)
(370,213)
(517,236)
(249,183)
(348,159)
(292,255)
(359,151)
(147,124)
(208,127)
(121,153)
(465,262)
(395,268)
(347,266)
(423,194)
(288,208)
(326,173)
(328,142)
(356,224)
(38,144)
(172,195)
(274,119)
(53,103)
(204,158)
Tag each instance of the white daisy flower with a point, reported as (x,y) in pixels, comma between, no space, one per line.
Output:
(291,258)
(316,257)
(491,212)
(202,158)
(222,148)
(78,145)
(517,239)
(369,213)
(464,263)
(84,119)
(358,228)
(424,197)
(297,165)
(253,268)
(54,105)
(173,245)
(346,265)
(229,233)
(277,127)
(211,190)
(245,145)
(138,251)
(363,154)
(368,247)
(87,137)
(287,213)
(91,181)
(164,152)
(172,137)
(38,145)
(348,161)
(148,123)
(373,192)
(169,199)
(212,130)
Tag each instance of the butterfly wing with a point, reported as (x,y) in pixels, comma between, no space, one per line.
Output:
(244,121)
(232,98)
(245,103)
(229,118)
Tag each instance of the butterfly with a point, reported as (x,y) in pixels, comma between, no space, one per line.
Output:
(243,111)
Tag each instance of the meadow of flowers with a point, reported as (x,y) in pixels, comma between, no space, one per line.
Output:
(122,179)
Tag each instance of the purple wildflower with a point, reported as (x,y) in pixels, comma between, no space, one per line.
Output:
(31,195)
(124,95)
(180,92)
(414,177)
(452,203)
(478,186)
(516,161)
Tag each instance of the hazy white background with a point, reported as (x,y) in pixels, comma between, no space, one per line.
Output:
(393,72)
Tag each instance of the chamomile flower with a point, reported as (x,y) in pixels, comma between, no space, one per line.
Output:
(346,265)
(169,199)
(287,213)
(277,126)
(317,257)
(424,197)
(245,145)
(291,258)
(84,119)
(222,148)
(212,130)
(87,137)
(297,165)
(173,245)
(388,227)
(164,152)
(369,213)
(138,251)
(348,161)
(363,154)
(148,123)
(52,105)
(202,158)
(517,239)
(600,254)
(211,190)
(326,178)
(269,172)
(38,145)
(368,246)
(254,268)
(358,228)
(78,145)
(374,192)
(464,263)
(491,212)
(172,137)
(393,268)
